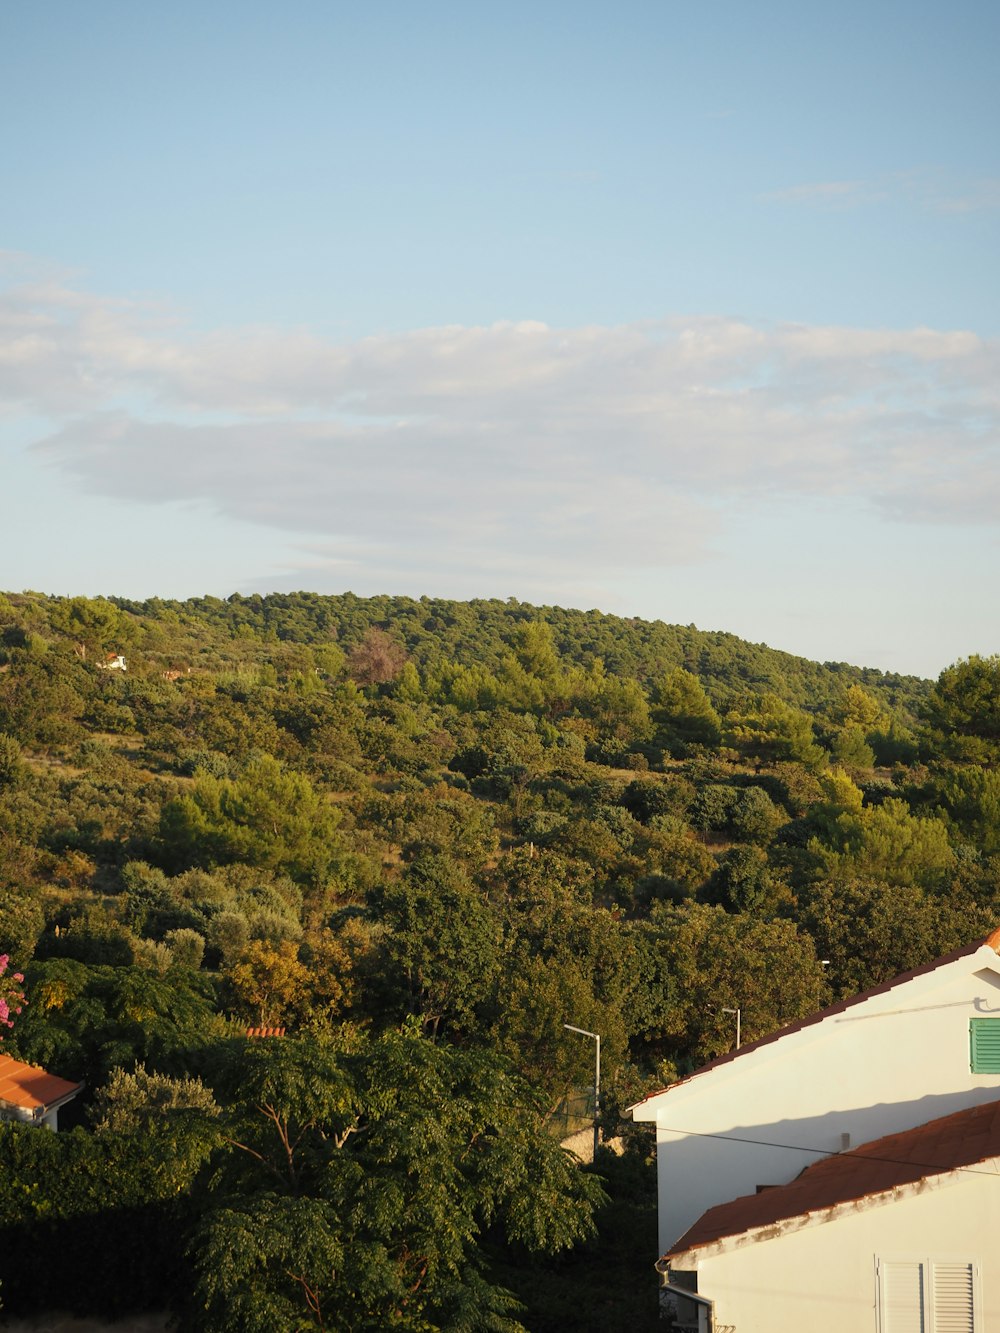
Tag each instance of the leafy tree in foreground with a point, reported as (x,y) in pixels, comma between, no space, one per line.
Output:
(362,1178)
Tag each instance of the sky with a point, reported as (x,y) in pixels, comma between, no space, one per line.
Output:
(687,312)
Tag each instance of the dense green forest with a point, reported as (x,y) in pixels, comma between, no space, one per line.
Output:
(419,837)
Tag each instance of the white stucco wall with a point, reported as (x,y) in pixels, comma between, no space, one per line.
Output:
(888,1063)
(822,1278)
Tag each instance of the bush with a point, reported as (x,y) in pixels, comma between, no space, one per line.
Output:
(187,947)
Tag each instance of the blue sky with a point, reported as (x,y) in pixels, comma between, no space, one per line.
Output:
(680,311)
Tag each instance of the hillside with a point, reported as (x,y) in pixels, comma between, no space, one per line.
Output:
(420,836)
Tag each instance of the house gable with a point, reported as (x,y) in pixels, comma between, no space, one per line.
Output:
(895,1057)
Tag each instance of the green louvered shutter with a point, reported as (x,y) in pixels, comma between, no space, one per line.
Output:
(984,1045)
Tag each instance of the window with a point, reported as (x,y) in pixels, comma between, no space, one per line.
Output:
(984,1045)
(927,1296)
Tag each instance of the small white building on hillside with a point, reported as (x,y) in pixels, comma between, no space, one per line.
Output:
(919,1047)
(898,1236)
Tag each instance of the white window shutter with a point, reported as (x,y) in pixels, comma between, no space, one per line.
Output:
(902,1284)
(953,1297)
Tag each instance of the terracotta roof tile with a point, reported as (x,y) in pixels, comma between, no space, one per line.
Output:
(993,940)
(31,1088)
(961,1139)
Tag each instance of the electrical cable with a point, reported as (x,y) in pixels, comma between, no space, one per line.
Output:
(826,1152)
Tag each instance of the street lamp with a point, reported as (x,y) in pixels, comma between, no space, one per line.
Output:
(597,1080)
(737,1013)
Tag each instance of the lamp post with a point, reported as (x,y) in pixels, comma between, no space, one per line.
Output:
(737,1013)
(597,1080)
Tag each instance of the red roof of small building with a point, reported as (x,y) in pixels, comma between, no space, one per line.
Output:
(961,1139)
(993,940)
(31,1088)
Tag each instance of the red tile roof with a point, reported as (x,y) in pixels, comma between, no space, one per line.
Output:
(961,1139)
(30,1088)
(993,940)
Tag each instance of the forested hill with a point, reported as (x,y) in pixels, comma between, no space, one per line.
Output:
(479,633)
(419,837)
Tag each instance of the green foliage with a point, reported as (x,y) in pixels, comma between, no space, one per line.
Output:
(541,994)
(871,930)
(82,1021)
(187,947)
(970,801)
(441,943)
(12,767)
(696,960)
(95,1221)
(860,709)
(887,842)
(850,748)
(620,714)
(683,714)
(228,935)
(138,1102)
(754,817)
(603,1284)
(772,731)
(297,809)
(268,817)
(21,924)
(92,621)
(962,714)
(362,1177)
(743,882)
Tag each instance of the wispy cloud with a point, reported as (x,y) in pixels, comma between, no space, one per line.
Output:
(498,449)
(821,192)
(978,196)
(931,190)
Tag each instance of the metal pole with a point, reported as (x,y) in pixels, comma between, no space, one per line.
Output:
(738,1016)
(594,1036)
(597,1096)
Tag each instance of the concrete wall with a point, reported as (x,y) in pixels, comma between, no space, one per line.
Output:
(888,1063)
(822,1278)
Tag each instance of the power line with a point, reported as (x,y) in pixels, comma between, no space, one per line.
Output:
(826,1152)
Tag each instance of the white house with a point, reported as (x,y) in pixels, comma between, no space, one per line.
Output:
(920,1047)
(897,1236)
(30,1095)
